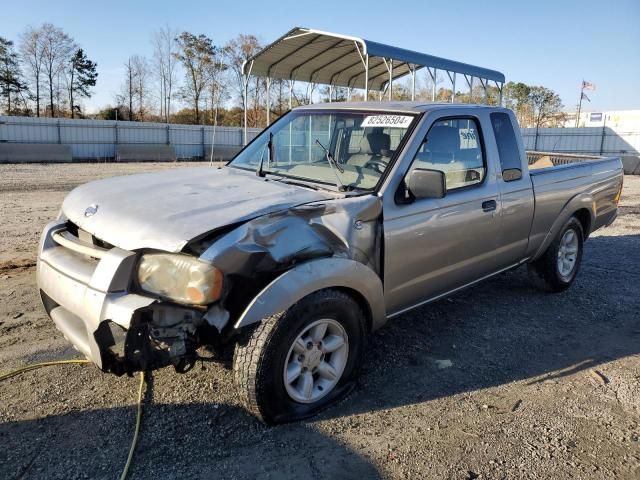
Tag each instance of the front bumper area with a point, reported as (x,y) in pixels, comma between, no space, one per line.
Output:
(80,292)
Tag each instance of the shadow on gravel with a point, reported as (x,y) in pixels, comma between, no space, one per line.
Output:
(503,330)
(177,441)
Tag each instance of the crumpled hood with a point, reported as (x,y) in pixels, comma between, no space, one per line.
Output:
(167,209)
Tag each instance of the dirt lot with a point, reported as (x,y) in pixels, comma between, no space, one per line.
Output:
(532,385)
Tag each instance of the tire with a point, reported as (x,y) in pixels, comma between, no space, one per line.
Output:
(545,273)
(261,356)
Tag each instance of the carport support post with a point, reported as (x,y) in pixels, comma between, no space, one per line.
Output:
(453,85)
(366,77)
(268,101)
(433,79)
(413,82)
(365,61)
(246,97)
(290,94)
(390,79)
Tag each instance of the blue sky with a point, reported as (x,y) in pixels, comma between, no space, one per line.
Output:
(552,43)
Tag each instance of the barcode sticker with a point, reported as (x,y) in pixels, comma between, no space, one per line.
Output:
(397,121)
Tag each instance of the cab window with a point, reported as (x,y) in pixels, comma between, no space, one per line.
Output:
(454,147)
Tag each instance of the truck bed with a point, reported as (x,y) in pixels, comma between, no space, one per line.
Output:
(561,179)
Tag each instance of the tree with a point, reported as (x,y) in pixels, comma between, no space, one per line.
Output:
(135,90)
(57,48)
(10,74)
(546,105)
(516,97)
(82,76)
(216,84)
(196,55)
(32,51)
(236,52)
(128,90)
(141,74)
(164,50)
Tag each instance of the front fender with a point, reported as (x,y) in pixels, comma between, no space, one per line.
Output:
(579,202)
(309,277)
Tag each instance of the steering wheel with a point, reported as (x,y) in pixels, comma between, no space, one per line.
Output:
(376,164)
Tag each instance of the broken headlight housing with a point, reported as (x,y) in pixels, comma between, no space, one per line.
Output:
(181,278)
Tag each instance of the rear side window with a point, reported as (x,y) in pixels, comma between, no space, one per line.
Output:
(453,146)
(506,141)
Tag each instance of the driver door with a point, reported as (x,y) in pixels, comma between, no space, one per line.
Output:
(436,245)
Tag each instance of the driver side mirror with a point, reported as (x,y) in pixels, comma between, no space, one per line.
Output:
(427,183)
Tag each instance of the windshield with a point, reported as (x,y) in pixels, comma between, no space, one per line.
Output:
(349,150)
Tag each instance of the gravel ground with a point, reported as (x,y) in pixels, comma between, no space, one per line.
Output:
(499,381)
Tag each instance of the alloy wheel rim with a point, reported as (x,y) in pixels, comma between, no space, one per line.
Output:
(316,360)
(567,253)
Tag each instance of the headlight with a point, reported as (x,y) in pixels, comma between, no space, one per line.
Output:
(181,278)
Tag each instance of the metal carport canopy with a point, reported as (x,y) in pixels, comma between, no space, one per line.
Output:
(315,56)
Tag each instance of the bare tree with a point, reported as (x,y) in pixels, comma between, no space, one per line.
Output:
(164,50)
(216,84)
(237,51)
(32,52)
(141,74)
(57,48)
(128,88)
(135,89)
(196,55)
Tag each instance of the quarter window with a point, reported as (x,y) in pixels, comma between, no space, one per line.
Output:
(454,147)
(506,141)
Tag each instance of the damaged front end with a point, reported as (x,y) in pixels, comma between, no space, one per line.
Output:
(104,301)
(158,336)
(250,256)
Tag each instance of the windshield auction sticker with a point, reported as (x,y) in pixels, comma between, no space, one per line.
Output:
(397,121)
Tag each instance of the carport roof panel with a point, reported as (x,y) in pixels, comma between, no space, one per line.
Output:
(328,58)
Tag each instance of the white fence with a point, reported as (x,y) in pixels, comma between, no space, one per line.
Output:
(95,139)
(589,140)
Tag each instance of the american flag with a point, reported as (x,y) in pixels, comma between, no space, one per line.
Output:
(588,86)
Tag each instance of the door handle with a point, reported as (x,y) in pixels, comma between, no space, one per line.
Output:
(489,206)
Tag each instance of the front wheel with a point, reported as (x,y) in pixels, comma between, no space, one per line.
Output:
(558,267)
(295,364)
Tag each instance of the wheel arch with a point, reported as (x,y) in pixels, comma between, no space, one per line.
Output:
(582,207)
(585,218)
(349,276)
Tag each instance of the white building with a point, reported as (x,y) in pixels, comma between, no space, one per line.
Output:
(617,120)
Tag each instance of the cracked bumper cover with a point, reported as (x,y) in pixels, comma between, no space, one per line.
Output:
(80,293)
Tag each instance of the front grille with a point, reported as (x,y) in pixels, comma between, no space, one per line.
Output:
(85,236)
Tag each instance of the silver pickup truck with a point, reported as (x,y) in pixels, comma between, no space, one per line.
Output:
(334,219)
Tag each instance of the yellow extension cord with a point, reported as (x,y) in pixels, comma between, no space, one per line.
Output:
(138,415)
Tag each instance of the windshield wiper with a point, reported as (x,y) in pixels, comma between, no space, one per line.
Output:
(332,161)
(268,146)
(293,182)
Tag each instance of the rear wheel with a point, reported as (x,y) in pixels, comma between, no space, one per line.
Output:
(558,267)
(295,364)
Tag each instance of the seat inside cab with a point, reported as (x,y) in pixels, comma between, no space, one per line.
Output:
(374,149)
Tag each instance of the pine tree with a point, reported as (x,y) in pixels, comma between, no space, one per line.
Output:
(10,74)
(83,76)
